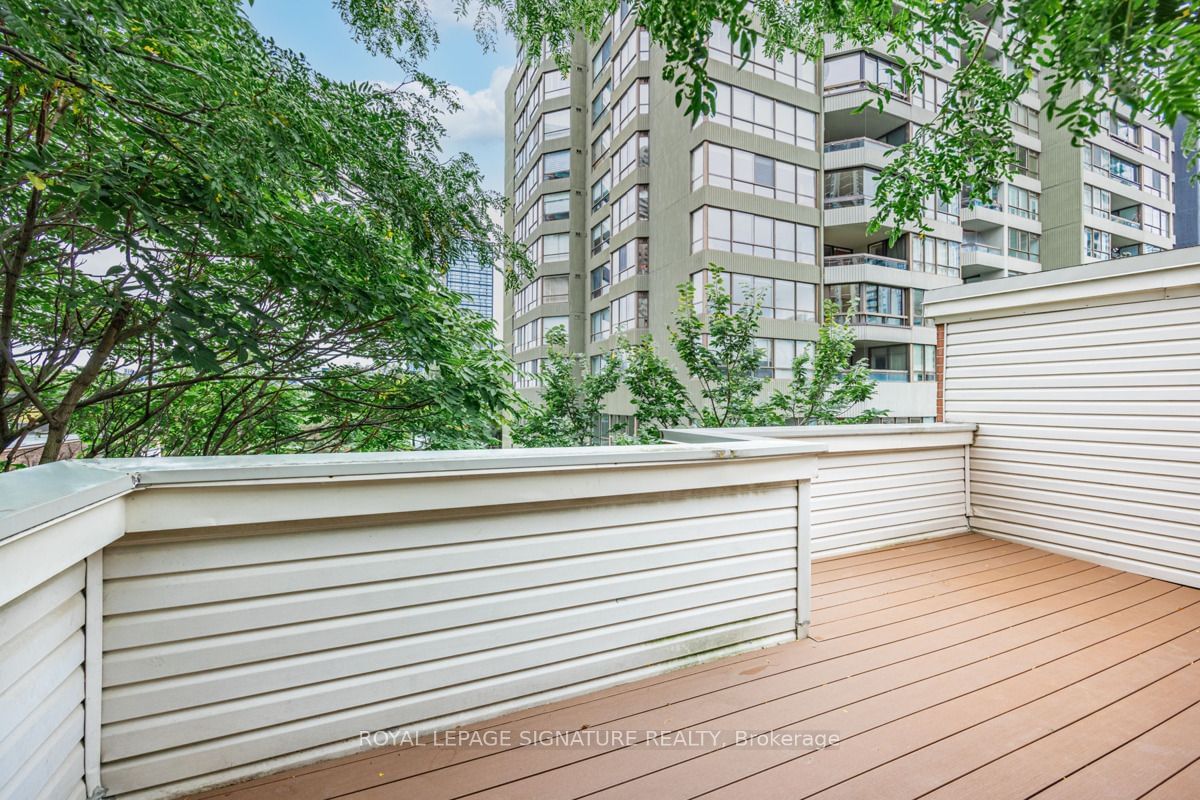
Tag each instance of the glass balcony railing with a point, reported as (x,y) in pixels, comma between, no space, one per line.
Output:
(889,375)
(980,247)
(867,259)
(1117,218)
(847,201)
(858,143)
(1116,176)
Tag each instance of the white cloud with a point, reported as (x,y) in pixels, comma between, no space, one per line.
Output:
(480,119)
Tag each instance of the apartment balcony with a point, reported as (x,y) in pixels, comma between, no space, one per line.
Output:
(860,151)
(1001,605)
(865,259)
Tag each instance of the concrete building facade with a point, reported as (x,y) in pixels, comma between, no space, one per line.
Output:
(619,199)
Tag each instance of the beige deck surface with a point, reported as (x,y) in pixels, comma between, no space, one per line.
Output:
(964,667)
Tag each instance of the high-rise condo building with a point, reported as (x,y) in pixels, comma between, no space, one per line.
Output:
(619,199)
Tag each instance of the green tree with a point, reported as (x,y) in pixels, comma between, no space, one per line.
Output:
(826,384)
(1093,56)
(571,398)
(715,340)
(190,214)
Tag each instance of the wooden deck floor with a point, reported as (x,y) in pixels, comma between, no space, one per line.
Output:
(959,668)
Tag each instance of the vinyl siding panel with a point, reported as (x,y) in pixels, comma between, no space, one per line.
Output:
(230,648)
(862,500)
(41,690)
(1089,428)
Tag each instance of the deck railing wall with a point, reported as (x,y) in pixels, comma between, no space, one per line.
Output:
(170,625)
(876,485)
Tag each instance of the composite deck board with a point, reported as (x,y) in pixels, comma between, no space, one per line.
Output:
(957,667)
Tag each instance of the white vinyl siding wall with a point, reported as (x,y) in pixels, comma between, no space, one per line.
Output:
(169,625)
(862,500)
(288,641)
(877,485)
(1089,429)
(41,691)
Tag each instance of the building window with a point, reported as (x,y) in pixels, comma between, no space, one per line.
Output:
(600,59)
(533,333)
(601,324)
(1097,244)
(631,311)
(601,280)
(635,49)
(1106,163)
(556,206)
(1026,161)
(938,256)
(556,124)
(885,305)
(631,258)
(609,427)
(930,93)
(556,164)
(601,233)
(746,111)
(523,85)
(636,100)
(600,145)
(600,101)
(1097,201)
(554,84)
(942,210)
(1155,143)
(540,291)
(1024,117)
(631,207)
(634,153)
(1156,183)
(918,308)
(600,192)
(776,357)
(850,187)
(1023,202)
(526,375)
(877,305)
(751,173)
(528,187)
(1156,221)
(854,71)
(1024,245)
(791,70)
(528,223)
(781,299)
(924,362)
(1122,129)
(889,363)
(549,248)
(752,234)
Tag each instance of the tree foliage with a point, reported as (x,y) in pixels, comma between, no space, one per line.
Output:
(827,385)
(191,215)
(571,398)
(1093,56)
(715,341)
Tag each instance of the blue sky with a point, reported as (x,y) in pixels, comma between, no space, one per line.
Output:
(313,28)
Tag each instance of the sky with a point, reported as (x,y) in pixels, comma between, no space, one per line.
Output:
(313,28)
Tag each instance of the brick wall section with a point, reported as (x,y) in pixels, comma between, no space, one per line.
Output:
(940,362)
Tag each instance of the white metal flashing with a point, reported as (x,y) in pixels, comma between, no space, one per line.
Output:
(1164,272)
